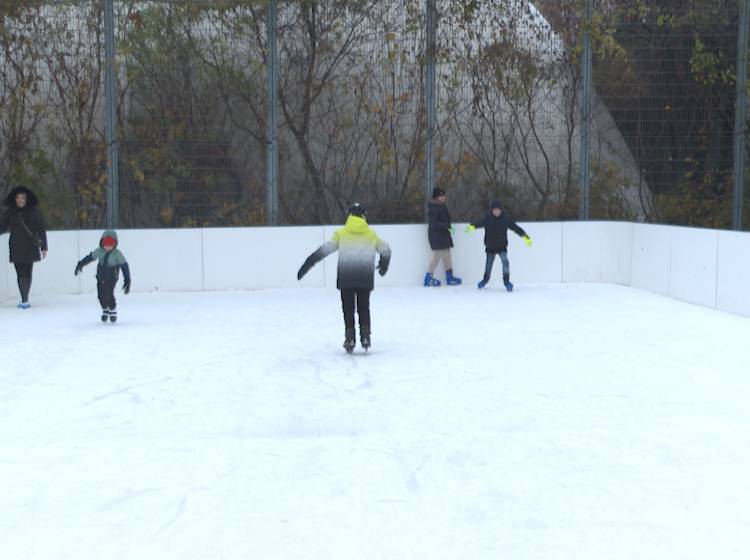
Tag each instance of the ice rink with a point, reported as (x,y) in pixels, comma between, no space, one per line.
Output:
(557,422)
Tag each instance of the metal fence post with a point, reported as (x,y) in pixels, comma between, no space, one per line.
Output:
(740,116)
(110,101)
(585,172)
(272,172)
(430,98)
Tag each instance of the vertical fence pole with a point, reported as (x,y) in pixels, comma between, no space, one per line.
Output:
(585,171)
(110,102)
(272,172)
(740,116)
(430,98)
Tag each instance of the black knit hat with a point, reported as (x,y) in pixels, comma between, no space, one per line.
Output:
(496,204)
(31,199)
(357,209)
(436,192)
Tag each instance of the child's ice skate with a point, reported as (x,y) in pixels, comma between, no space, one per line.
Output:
(364,337)
(431,281)
(349,340)
(452,280)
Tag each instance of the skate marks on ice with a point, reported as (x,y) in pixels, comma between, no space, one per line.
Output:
(481,427)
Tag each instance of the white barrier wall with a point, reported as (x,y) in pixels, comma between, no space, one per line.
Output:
(255,258)
(678,262)
(733,272)
(5,270)
(704,267)
(597,252)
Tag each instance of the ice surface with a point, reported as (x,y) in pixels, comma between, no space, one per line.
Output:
(556,422)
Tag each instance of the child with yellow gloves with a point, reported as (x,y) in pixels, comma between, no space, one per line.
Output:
(496,225)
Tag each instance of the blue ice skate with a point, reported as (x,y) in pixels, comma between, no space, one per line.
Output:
(452,280)
(429,280)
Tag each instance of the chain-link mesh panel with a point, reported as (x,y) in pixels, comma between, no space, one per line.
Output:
(192,109)
(351,91)
(509,119)
(51,95)
(192,113)
(665,73)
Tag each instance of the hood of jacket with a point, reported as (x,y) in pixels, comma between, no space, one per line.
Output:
(355,224)
(31,199)
(109,233)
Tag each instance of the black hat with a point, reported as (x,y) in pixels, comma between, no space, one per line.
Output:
(31,199)
(357,209)
(496,204)
(436,192)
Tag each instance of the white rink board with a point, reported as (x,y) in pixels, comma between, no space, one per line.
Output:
(6,271)
(258,258)
(693,265)
(597,252)
(733,282)
(700,266)
(651,258)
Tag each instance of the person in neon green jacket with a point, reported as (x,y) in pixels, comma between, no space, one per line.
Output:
(357,245)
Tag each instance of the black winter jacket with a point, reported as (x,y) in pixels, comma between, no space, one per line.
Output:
(439,223)
(496,231)
(28,233)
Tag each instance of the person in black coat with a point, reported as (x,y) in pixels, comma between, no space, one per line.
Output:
(28,236)
(496,225)
(439,235)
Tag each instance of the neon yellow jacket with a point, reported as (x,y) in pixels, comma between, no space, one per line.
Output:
(357,245)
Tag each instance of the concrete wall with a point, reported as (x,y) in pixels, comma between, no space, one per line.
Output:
(705,267)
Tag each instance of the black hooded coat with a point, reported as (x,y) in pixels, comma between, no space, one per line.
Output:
(438,230)
(27,228)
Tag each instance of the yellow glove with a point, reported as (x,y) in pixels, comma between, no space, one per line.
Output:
(527,240)
(470,228)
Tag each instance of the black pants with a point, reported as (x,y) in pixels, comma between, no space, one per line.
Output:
(24,270)
(106,292)
(359,299)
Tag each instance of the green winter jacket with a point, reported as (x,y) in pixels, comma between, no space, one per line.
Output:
(109,262)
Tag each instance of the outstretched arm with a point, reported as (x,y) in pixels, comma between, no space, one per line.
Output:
(83,262)
(519,231)
(516,228)
(384,250)
(41,230)
(478,224)
(320,253)
(126,276)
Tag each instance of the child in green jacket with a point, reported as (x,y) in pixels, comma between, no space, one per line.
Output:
(111,260)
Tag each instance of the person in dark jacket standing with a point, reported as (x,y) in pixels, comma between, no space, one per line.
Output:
(28,236)
(357,245)
(439,233)
(111,261)
(496,225)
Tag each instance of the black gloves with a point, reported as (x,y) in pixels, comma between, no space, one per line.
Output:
(382,268)
(126,286)
(305,268)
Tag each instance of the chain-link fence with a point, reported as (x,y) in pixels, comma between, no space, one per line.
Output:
(352,103)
